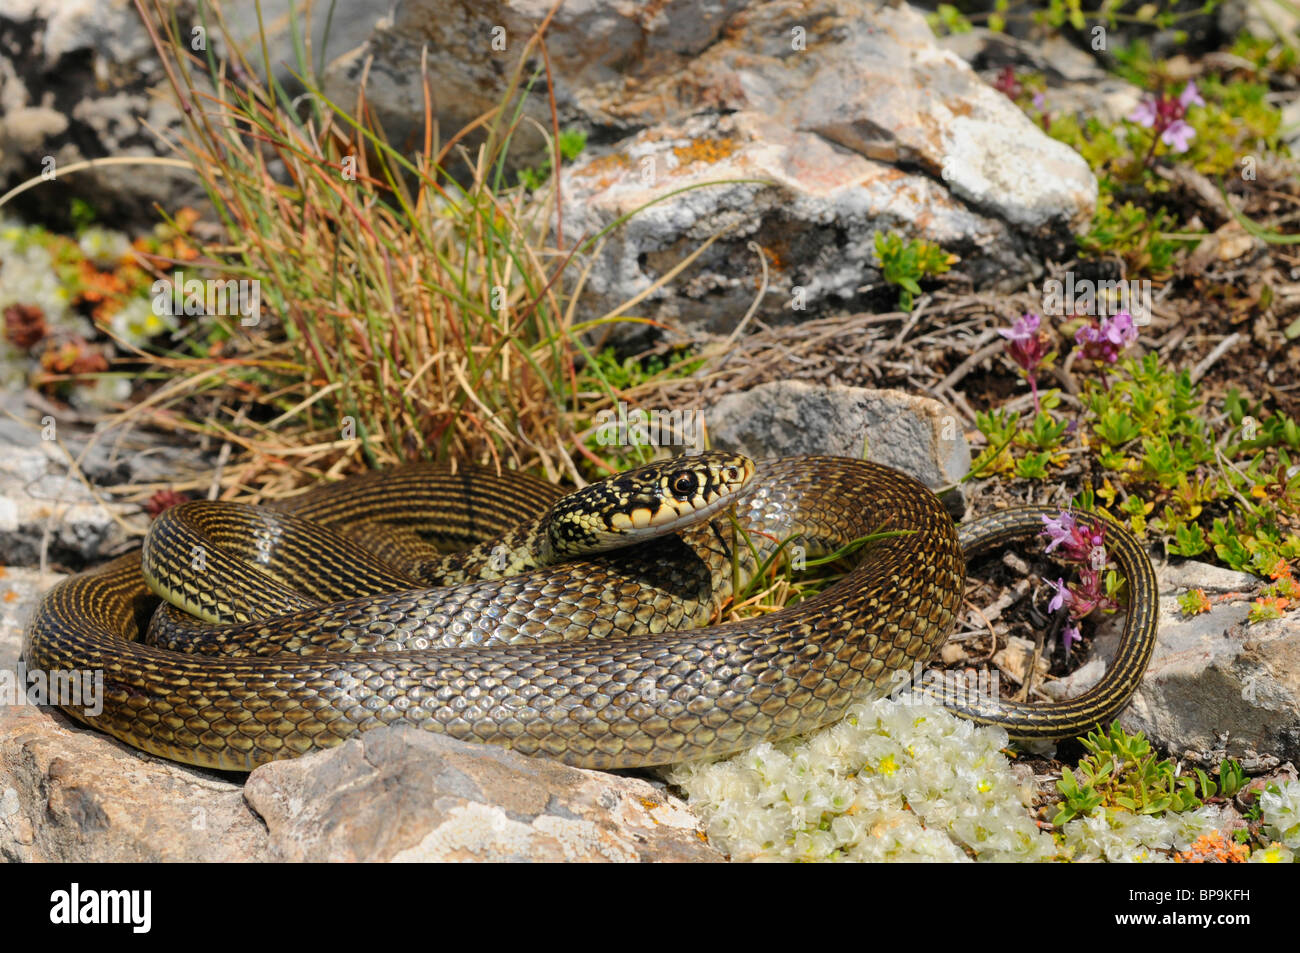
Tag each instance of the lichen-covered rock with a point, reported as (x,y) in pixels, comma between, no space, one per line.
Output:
(44,507)
(844,116)
(70,794)
(79,79)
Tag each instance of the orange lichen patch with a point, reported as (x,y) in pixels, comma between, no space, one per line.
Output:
(1213,848)
(609,163)
(605,169)
(10,595)
(705,150)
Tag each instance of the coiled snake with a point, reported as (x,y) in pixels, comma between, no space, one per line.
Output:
(320,638)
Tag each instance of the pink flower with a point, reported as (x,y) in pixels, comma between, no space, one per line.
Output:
(1059,530)
(1086,546)
(1144,113)
(1164,116)
(1069,636)
(1104,341)
(1178,136)
(1025,329)
(1077,543)
(1028,348)
(1063,596)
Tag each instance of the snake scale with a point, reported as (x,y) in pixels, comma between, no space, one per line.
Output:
(314,637)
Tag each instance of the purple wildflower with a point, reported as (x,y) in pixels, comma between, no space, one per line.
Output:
(1077,543)
(1063,595)
(1085,545)
(1190,96)
(1058,530)
(1163,115)
(1028,348)
(1069,636)
(1178,136)
(1104,341)
(1144,113)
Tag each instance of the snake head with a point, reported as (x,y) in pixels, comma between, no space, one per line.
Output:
(653,500)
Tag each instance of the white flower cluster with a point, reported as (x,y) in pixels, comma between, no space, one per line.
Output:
(890,782)
(137,321)
(1280,812)
(27,275)
(908,783)
(103,247)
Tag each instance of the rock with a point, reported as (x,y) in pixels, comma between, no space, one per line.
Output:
(71,794)
(1212,676)
(815,210)
(39,486)
(914,434)
(395,794)
(845,116)
(79,79)
(1191,574)
(44,507)
(1291,124)
(1265,18)
(1076,83)
(401,794)
(19,591)
(349,25)
(36,498)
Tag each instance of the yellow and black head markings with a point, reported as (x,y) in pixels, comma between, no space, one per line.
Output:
(650,501)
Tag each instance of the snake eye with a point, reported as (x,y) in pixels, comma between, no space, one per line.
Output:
(684,484)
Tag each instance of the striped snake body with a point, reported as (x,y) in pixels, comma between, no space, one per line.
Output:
(334,640)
